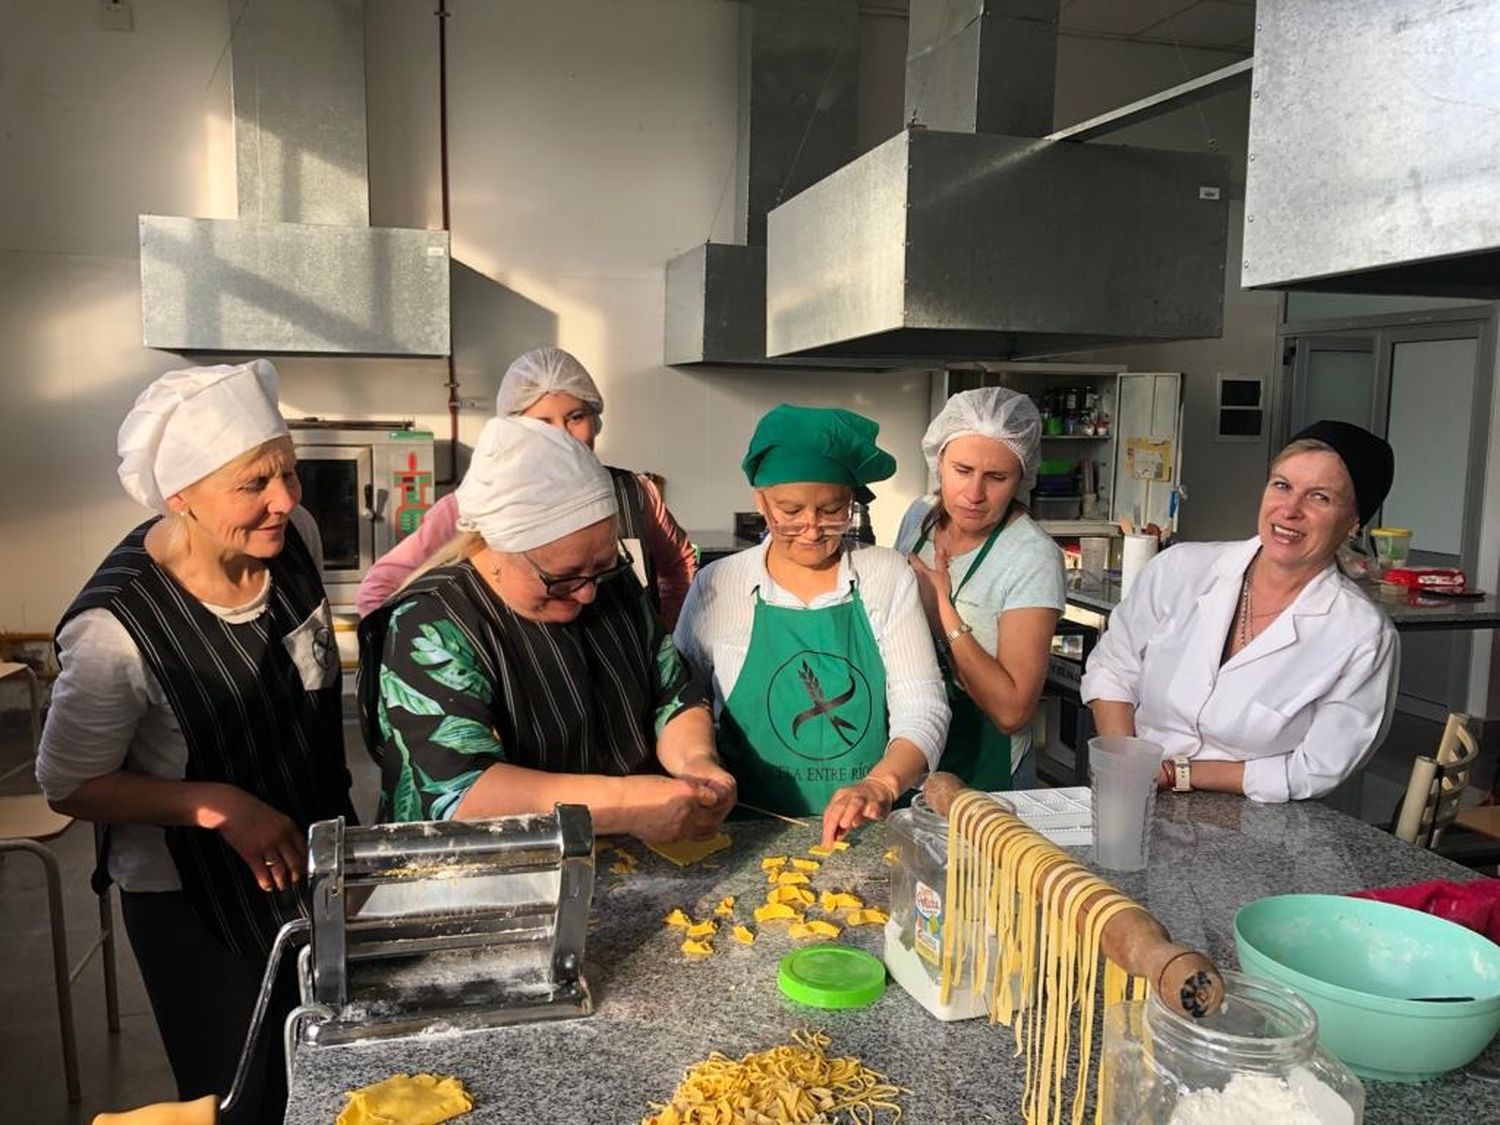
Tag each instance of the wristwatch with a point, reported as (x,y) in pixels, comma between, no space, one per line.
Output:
(1184,778)
(949,638)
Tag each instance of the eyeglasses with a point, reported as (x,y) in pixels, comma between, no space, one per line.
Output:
(566,585)
(800,525)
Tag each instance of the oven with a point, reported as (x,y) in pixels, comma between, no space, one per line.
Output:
(1063,758)
(368,485)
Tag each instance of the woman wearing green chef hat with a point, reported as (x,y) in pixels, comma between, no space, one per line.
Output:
(826,685)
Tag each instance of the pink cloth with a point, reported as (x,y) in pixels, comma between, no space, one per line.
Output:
(1475,905)
(671,552)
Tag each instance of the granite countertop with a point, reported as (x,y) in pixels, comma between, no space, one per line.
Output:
(658,1013)
(1410,616)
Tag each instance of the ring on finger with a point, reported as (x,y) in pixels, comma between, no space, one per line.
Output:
(272,862)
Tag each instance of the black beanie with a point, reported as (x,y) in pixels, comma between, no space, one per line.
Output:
(1369,459)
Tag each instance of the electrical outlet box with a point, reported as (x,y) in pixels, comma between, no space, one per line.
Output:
(115,15)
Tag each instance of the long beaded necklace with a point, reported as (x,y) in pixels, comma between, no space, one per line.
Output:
(1245,631)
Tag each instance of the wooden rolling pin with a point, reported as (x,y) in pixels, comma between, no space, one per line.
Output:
(1187,981)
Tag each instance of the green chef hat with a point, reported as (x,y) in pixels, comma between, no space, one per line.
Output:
(807,444)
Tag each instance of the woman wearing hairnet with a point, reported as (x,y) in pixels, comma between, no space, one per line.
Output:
(527,668)
(825,684)
(992,581)
(548,384)
(197,716)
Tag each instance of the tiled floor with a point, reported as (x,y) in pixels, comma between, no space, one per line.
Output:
(130,1069)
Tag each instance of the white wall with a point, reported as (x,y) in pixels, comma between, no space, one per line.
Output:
(591,141)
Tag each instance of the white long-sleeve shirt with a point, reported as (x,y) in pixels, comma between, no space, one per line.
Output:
(109,713)
(1303,705)
(713,633)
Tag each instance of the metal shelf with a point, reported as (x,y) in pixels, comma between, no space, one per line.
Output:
(1077,437)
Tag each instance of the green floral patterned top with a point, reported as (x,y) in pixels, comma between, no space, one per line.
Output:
(452,681)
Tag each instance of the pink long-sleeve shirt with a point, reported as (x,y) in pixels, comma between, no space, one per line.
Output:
(672,554)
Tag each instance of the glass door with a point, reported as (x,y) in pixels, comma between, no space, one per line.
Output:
(336,485)
(1439,401)
(1334,378)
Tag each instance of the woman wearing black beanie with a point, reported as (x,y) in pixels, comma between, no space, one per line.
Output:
(1257,666)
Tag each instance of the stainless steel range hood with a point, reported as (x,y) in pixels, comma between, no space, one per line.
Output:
(1375,148)
(301,269)
(996,243)
(799,73)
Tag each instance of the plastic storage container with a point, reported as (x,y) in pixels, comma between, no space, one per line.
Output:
(1256,1060)
(914,934)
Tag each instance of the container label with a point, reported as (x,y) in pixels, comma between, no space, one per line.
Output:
(928,930)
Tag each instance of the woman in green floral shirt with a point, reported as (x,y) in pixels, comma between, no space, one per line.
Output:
(526,667)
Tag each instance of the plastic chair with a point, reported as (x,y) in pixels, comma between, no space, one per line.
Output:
(26,824)
(1436,787)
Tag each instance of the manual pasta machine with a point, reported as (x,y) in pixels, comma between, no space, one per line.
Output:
(445,924)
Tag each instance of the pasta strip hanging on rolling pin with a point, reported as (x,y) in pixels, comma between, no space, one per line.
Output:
(1025,927)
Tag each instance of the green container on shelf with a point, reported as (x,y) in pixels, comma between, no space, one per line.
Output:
(1054,468)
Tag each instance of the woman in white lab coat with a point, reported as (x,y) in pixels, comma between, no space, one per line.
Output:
(1257,666)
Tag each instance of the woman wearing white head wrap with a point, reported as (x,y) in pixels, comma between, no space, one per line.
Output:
(550,385)
(526,667)
(197,712)
(991,580)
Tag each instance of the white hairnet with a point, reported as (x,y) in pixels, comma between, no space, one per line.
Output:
(999,413)
(546,371)
(530,484)
(188,423)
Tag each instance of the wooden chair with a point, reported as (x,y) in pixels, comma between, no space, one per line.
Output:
(26,824)
(1436,787)
(9,668)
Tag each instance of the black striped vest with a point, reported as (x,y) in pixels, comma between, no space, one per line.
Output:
(568,698)
(244,711)
(633,523)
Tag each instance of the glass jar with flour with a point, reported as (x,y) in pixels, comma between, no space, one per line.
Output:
(1253,1062)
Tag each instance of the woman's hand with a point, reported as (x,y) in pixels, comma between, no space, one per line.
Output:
(269,842)
(853,805)
(710,775)
(661,810)
(934,587)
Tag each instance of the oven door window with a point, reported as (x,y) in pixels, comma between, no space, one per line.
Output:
(336,484)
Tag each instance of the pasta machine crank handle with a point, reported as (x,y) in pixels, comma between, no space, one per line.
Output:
(1186,980)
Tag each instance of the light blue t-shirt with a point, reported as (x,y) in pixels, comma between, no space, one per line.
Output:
(1024,570)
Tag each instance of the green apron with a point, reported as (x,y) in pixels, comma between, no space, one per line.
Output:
(976,750)
(808,712)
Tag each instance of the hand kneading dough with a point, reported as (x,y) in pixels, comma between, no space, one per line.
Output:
(415,1099)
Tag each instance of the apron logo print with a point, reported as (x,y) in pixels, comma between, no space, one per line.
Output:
(822,706)
(818,704)
(324,647)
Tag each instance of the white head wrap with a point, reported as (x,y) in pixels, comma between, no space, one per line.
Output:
(529,484)
(999,413)
(189,423)
(546,371)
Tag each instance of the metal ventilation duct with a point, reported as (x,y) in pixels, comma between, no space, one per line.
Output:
(1375,148)
(301,270)
(975,245)
(799,73)
(954,245)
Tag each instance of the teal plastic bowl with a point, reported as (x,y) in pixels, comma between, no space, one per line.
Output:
(1361,964)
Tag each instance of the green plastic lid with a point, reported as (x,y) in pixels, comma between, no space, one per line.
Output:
(831,976)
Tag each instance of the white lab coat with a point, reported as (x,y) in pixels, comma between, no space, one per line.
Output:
(1303,705)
